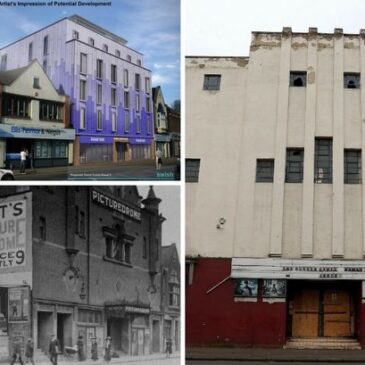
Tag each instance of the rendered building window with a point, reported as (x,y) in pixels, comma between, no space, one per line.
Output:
(265,170)
(298,78)
(137,81)
(114,121)
(49,111)
(129,58)
(99,94)
(126,122)
(45,64)
(323,161)
(91,41)
(139,62)
(99,121)
(351,80)
(117,53)
(212,82)
(15,106)
(113,73)
(30,51)
(126,99)
(82,118)
(45,45)
(147,85)
(294,165)
(352,166)
(83,63)
(36,84)
(126,78)
(148,104)
(138,103)
(99,69)
(113,96)
(75,34)
(105,48)
(192,167)
(138,122)
(3,62)
(82,90)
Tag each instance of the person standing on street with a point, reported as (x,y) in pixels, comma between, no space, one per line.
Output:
(23,160)
(158,159)
(94,349)
(17,354)
(54,349)
(108,349)
(29,351)
(80,349)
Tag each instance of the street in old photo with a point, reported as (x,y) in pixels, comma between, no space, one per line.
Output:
(90,274)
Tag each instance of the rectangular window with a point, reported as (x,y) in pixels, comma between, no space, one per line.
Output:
(75,34)
(83,63)
(192,167)
(114,121)
(126,99)
(294,165)
(113,96)
(147,85)
(351,80)
(91,41)
(82,118)
(138,103)
(42,228)
(45,64)
(174,295)
(3,63)
(45,45)
(15,106)
(99,121)
(129,58)
(82,90)
(49,111)
(99,69)
(117,53)
(352,168)
(265,170)
(298,78)
(36,84)
(113,73)
(149,124)
(126,78)
(30,51)
(137,81)
(60,149)
(105,48)
(138,122)
(99,94)
(148,104)
(126,122)
(323,161)
(139,62)
(212,82)
(82,230)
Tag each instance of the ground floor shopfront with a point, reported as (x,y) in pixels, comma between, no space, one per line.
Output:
(106,148)
(266,302)
(46,147)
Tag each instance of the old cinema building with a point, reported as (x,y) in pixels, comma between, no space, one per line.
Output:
(91,267)
(279,259)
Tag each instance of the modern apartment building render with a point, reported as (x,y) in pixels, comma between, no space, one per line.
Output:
(109,87)
(276,201)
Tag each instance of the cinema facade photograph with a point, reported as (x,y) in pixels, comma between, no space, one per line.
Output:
(91,262)
(275,213)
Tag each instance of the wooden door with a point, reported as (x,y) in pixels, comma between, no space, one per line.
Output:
(305,313)
(336,313)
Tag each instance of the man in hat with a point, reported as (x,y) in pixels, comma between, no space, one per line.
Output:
(54,349)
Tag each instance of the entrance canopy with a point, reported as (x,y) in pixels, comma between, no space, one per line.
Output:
(275,268)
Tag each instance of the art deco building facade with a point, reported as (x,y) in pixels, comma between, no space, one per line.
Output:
(275,205)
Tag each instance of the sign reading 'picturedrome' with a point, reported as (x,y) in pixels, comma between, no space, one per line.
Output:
(115,205)
(13,235)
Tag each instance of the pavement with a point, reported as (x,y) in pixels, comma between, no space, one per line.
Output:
(231,355)
(122,170)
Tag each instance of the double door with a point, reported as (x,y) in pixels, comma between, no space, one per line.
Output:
(322,313)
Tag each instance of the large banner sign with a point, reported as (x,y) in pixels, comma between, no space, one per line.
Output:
(13,234)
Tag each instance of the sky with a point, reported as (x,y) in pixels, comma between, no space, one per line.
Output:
(170,209)
(150,26)
(217,27)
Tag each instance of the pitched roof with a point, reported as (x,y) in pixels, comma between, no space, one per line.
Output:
(8,77)
(167,252)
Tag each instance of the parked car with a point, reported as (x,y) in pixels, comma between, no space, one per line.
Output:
(6,174)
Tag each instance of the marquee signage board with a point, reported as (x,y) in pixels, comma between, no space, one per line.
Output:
(273,268)
(115,205)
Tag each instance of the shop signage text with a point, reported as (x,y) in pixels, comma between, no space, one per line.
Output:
(115,205)
(12,234)
(17,131)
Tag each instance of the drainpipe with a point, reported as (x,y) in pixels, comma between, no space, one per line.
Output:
(88,244)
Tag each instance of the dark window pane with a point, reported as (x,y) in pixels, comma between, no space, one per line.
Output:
(192,167)
(265,170)
(212,82)
(298,78)
(352,167)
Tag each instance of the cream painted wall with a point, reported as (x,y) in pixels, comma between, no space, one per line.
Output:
(257,115)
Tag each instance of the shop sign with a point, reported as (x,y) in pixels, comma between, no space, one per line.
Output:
(272,268)
(139,141)
(18,131)
(140,310)
(13,235)
(115,205)
(18,304)
(96,139)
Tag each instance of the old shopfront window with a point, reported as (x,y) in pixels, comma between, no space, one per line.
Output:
(89,316)
(118,244)
(49,111)
(15,106)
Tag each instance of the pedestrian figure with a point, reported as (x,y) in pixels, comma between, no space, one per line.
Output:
(23,160)
(158,159)
(168,347)
(94,349)
(108,349)
(80,349)
(29,351)
(17,354)
(54,349)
